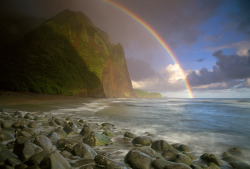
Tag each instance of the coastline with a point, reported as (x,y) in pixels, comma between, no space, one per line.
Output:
(117,147)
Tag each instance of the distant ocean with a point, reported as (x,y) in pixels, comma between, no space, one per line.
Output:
(206,125)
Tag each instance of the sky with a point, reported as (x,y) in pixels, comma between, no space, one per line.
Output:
(210,39)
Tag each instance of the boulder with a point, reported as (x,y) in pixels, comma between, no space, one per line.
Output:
(12,162)
(37,158)
(211,158)
(7,123)
(182,158)
(239,165)
(66,154)
(54,161)
(142,141)
(129,134)
(43,142)
(85,162)
(161,146)
(32,125)
(60,133)
(86,131)
(84,151)
(53,137)
(26,150)
(70,130)
(149,151)
(108,133)
(104,162)
(107,126)
(96,139)
(184,148)
(138,160)
(5,154)
(6,136)
(160,163)
(170,153)
(177,166)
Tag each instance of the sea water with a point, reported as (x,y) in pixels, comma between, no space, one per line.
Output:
(206,125)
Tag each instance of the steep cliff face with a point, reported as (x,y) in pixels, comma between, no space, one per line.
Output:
(66,55)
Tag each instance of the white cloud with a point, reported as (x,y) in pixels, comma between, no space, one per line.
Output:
(242,47)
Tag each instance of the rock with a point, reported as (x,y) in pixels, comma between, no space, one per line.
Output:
(81,121)
(5,154)
(33,167)
(58,122)
(138,160)
(12,162)
(65,144)
(235,151)
(177,166)
(104,162)
(25,134)
(43,142)
(31,131)
(239,165)
(184,148)
(96,139)
(51,123)
(210,158)
(170,154)
(7,123)
(19,114)
(182,158)
(129,135)
(6,136)
(69,130)
(84,151)
(54,161)
(6,167)
(29,116)
(149,151)
(226,156)
(26,150)
(85,162)
(211,166)
(60,133)
(37,158)
(53,137)
(32,125)
(108,133)
(160,163)
(144,141)
(86,131)
(161,146)
(17,124)
(21,166)
(107,125)
(66,154)
(195,167)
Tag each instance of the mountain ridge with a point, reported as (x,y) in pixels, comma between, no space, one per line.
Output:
(66,55)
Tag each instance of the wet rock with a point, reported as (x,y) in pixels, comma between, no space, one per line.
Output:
(160,163)
(21,166)
(226,156)
(65,144)
(211,158)
(44,142)
(177,166)
(138,160)
(84,151)
(6,136)
(239,165)
(129,134)
(19,114)
(17,124)
(54,161)
(5,154)
(107,126)
(31,131)
(69,130)
(6,123)
(66,154)
(33,167)
(60,133)
(37,158)
(143,141)
(32,125)
(170,153)
(85,162)
(235,151)
(96,139)
(24,133)
(86,131)
(12,162)
(81,121)
(51,123)
(149,151)
(53,137)
(211,166)
(58,122)
(161,146)
(195,166)
(108,133)
(29,116)
(104,162)
(184,148)
(182,158)
(26,150)
(6,167)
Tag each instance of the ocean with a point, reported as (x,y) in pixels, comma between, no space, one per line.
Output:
(206,125)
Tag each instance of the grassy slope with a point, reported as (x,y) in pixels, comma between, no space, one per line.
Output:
(144,94)
(65,55)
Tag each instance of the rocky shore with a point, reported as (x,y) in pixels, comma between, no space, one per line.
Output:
(49,141)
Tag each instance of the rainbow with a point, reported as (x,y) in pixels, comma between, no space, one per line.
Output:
(157,37)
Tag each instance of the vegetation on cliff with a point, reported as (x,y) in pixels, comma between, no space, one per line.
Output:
(66,55)
(143,94)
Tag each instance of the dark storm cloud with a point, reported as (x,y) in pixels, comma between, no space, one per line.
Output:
(200,60)
(228,67)
(139,69)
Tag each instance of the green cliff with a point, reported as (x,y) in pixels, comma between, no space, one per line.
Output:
(143,94)
(66,55)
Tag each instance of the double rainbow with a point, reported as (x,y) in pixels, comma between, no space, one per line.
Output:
(157,37)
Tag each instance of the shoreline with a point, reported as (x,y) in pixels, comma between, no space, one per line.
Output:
(89,142)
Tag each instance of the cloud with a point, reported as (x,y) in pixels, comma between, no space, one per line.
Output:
(200,60)
(169,79)
(229,69)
